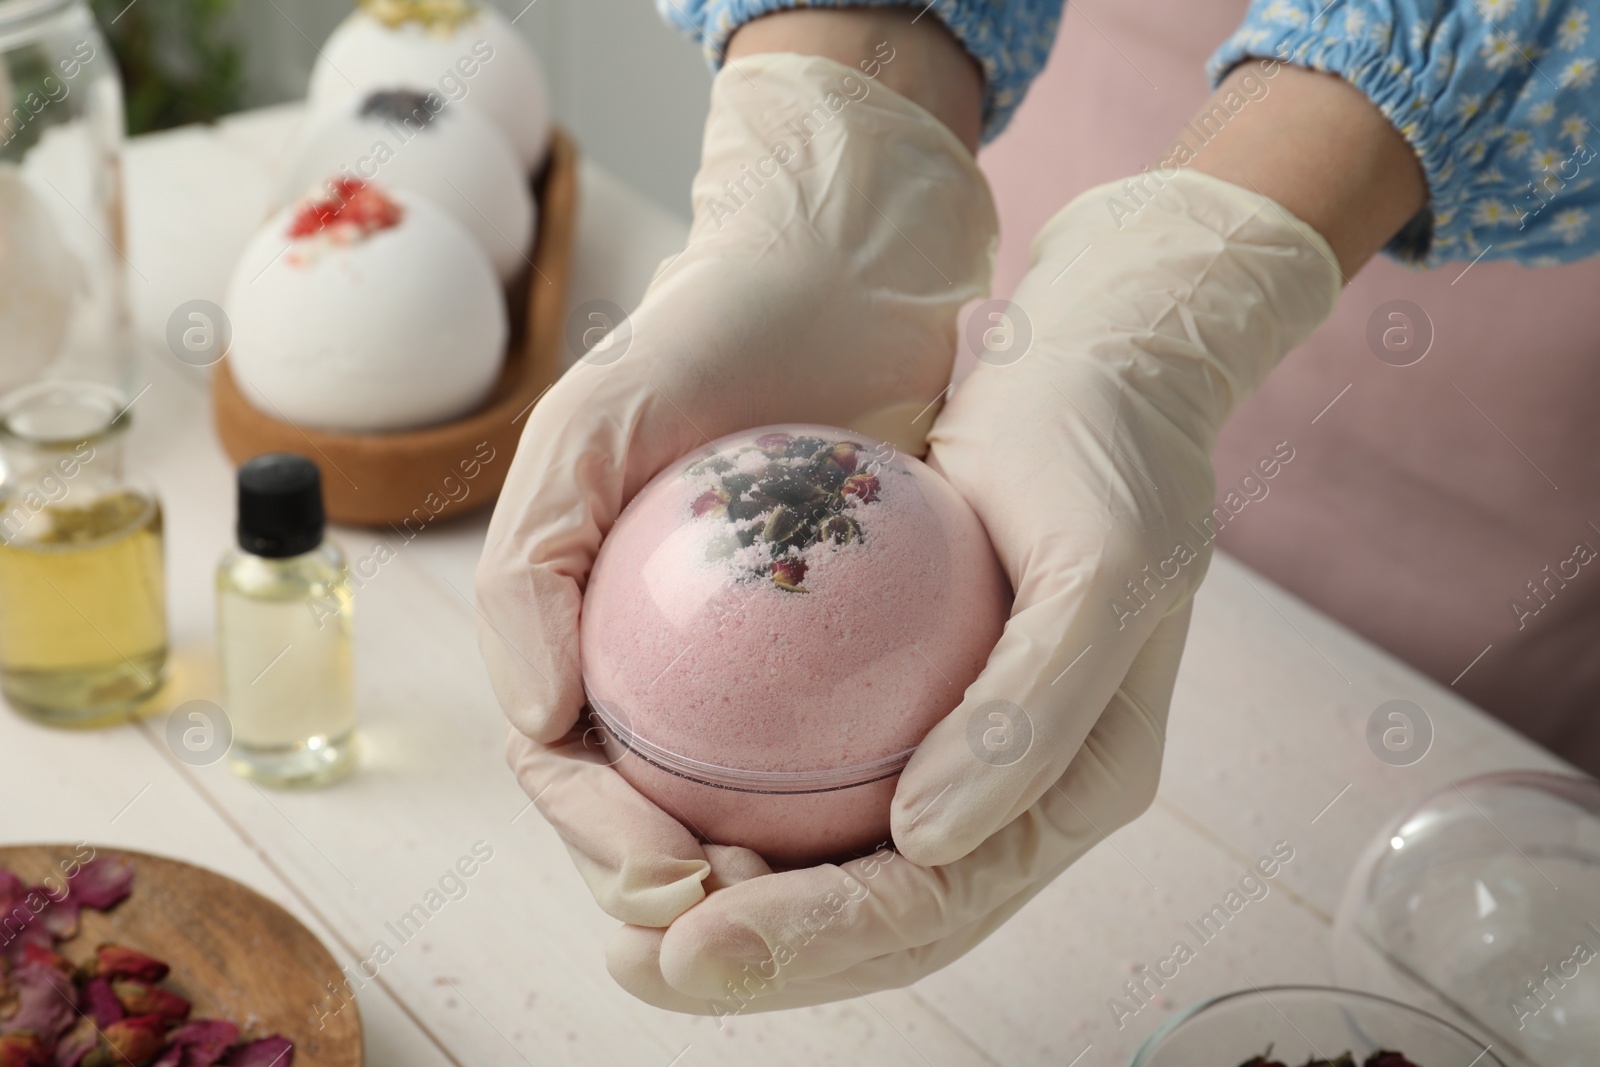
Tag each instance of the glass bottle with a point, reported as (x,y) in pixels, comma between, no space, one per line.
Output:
(284,614)
(83,629)
(63,305)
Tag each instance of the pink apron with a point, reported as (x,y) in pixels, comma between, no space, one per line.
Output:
(1444,495)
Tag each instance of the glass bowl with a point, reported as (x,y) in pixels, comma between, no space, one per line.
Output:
(1301,1023)
(1482,904)
(772,626)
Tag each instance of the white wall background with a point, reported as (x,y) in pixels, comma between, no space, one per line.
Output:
(630,89)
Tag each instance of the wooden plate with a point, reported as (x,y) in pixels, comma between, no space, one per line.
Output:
(416,477)
(235,954)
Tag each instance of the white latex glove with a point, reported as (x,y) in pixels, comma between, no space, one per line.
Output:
(1086,458)
(820,288)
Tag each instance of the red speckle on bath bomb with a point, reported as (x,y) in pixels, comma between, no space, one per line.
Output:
(352,203)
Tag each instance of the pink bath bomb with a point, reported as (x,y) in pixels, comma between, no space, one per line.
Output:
(773,625)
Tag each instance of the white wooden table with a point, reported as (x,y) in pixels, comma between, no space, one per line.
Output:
(1267,744)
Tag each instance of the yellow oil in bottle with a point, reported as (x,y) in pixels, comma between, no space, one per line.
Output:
(83,633)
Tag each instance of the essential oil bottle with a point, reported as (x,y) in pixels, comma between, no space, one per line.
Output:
(284,628)
(83,625)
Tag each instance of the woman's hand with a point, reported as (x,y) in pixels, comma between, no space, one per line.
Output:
(1085,453)
(839,227)
(1151,308)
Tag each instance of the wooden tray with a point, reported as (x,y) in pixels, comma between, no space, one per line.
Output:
(235,954)
(372,479)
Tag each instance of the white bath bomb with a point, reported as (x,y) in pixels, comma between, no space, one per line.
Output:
(417,142)
(469,53)
(366,310)
(37,278)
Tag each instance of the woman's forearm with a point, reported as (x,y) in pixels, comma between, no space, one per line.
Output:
(1316,145)
(926,63)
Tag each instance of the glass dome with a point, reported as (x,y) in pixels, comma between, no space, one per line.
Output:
(63,312)
(1482,904)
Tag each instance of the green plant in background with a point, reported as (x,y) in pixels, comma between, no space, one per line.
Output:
(179,61)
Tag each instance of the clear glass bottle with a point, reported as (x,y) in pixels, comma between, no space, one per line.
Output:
(284,614)
(83,628)
(63,305)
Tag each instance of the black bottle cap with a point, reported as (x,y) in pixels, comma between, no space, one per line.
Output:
(280,506)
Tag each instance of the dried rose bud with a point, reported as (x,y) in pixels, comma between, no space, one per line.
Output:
(844,454)
(1382,1058)
(788,573)
(136,1040)
(142,998)
(775,441)
(711,502)
(864,487)
(23,1050)
(842,529)
(119,961)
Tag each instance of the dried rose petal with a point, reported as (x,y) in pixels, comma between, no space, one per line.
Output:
(274,1051)
(15,911)
(136,1039)
(864,487)
(33,935)
(774,441)
(47,1003)
(200,1043)
(45,957)
(1388,1059)
(71,1050)
(101,1003)
(119,961)
(142,998)
(23,1050)
(103,882)
(60,917)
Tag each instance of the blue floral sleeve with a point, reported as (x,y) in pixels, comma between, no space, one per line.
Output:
(1010,39)
(1498,98)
